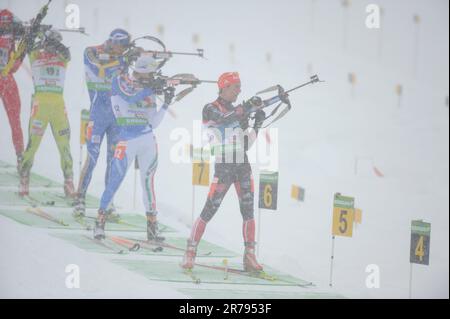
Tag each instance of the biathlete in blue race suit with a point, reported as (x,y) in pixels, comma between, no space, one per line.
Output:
(102,64)
(136,115)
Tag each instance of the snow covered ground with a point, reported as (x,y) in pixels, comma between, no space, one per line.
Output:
(318,141)
(34,266)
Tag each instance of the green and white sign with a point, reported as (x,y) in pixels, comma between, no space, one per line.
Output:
(343,215)
(268,190)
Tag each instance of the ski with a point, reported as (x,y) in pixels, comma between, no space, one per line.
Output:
(128,244)
(156,248)
(104,245)
(149,243)
(157,243)
(190,274)
(80,220)
(68,201)
(39,212)
(35,202)
(118,220)
(257,274)
(121,222)
(30,200)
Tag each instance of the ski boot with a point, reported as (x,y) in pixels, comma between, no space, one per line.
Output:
(69,189)
(24,185)
(191,251)
(250,262)
(111,215)
(153,231)
(189,256)
(80,208)
(99,229)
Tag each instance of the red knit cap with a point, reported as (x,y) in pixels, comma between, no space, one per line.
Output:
(227,79)
(6,17)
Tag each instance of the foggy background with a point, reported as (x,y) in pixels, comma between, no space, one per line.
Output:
(333,140)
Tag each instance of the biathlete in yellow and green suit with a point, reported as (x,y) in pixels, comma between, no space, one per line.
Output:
(48,59)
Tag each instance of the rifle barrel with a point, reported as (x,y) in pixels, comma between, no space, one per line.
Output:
(184,53)
(207,81)
(80,30)
(300,86)
(192,81)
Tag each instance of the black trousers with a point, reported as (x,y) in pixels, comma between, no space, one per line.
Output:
(226,174)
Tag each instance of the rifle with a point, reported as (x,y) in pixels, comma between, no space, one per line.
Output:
(81,30)
(16,28)
(27,40)
(19,28)
(185,79)
(159,83)
(163,54)
(282,97)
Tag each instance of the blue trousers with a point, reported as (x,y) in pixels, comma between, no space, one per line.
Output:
(101,122)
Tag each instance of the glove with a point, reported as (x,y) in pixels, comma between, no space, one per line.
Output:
(169,93)
(260,117)
(254,102)
(63,50)
(158,85)
(133,54)
(244,123)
